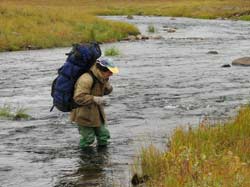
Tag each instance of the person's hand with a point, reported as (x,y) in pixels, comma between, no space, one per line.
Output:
(99,100)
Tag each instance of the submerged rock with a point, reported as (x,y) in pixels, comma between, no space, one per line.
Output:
(156,37)
(137,37)
(221,99)
(212,52)
(226,66)
(245,61)
(142,37)
(169,29)
(130,38)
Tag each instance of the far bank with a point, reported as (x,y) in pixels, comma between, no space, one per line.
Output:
(46,24)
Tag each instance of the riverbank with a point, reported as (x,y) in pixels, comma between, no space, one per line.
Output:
(35,26)
(46,24)
(210,155)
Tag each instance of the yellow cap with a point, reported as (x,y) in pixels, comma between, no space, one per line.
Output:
(108,63)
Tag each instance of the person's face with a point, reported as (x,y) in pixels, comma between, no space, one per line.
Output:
(107,74)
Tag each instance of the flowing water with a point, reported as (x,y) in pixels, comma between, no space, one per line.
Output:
(163,83)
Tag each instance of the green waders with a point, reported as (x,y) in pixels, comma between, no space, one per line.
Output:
(88,135)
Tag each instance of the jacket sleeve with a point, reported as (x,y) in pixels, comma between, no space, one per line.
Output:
(82,91)
(108,88)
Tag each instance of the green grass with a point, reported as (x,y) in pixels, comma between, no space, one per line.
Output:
(6,112)
(245,18)
(21,113)
(151,29)
(33,27)
(215,155)
(209,9)
(112,51)
(31,24)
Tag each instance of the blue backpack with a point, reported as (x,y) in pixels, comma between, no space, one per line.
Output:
(80,59)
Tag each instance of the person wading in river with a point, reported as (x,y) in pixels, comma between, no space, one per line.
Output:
(89,91)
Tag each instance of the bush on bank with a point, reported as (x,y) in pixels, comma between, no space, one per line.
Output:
(217,155)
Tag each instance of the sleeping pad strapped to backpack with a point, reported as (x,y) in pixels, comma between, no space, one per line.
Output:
(79,61)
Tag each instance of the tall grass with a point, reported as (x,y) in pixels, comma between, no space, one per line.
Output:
(29,27)
(182,8)
(206,156)
(31,24)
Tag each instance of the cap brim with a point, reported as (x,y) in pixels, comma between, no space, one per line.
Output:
(114,70)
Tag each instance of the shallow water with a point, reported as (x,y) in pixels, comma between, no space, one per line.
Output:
(163,83)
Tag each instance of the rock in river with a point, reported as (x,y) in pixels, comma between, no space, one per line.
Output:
(245,61)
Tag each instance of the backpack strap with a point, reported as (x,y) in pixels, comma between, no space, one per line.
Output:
(95,80)
(51,109)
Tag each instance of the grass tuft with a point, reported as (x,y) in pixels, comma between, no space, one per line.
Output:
(6,112)
(113,51)
(151,29)
(21,113)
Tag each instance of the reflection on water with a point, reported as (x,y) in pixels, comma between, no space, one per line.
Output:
(91,169)
(92,166)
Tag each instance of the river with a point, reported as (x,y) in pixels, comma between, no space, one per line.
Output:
(163,83)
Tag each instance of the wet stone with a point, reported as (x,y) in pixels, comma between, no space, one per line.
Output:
(245,61)
(226,66)
(5,168)
(170,30)
(212,52)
